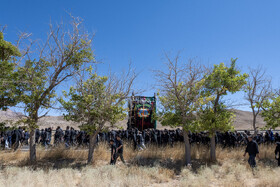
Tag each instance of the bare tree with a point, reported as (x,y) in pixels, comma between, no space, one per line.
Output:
(179,89)
(257,91)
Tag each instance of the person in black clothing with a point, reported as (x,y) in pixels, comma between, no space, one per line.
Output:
(73,137)
(277,152)
(37,136)
(253,150)
(2,140)
(49,135)
(113,152)
(9,137)
(67,137)
(26,137)
(42,137)
(81,138)
(16,137)
(58,135)
(47,138)
(119,149)
(134,136)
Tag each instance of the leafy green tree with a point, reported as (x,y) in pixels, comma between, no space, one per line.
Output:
(224,118)
(179,95)
(221,81)
(58,59)
(271,112)
(97,101)
(9,90)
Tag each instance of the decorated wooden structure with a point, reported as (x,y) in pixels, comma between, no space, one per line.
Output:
(141,111)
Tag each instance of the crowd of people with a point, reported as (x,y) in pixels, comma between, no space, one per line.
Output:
(13,138)
(72,137)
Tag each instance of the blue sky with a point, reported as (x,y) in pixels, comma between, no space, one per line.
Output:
(212,31)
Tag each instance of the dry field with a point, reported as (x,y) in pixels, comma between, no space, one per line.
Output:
(152,167)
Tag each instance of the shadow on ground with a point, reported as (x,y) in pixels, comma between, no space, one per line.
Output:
(175,165)
(50,163)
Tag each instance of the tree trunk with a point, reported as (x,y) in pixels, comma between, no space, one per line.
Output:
(213,137)
(92,141)
(187,147)
(213,149)
(32,147)
(254,124)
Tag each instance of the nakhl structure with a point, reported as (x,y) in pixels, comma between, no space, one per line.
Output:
(141,112)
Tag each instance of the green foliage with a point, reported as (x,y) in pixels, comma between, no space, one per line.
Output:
(34,73)
(9,81)
(221,81)
(7,49)
(92,104)
(271,112)
(222,122)
(224,79)
(78,54)
(2,126)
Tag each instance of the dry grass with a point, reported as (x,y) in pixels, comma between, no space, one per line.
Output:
(151,167)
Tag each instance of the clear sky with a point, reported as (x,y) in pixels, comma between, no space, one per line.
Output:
(213,31)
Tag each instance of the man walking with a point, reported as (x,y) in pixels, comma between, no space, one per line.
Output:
(119,150)
(277,153)
(113,152)
(253,150)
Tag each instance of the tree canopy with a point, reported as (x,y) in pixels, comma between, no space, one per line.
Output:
(9,80)
(96,101)
(271,112)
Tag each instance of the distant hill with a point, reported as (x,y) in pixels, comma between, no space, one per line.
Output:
(243,120)
(9,114)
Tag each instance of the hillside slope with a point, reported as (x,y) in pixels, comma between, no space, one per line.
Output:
(243,120)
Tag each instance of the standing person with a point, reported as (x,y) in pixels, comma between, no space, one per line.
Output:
(81,138)
(271,135)
(16,137)
(67,137)
(113,152)
(21,135)
(72,136)
(2,140)
(134,136)
(140,141)
(253,150)
(46,142)
(26,137)
(60,135)
(277,152)
(119,150)
(9,138)
(57,136)
(37,136)
(48,137)
(50,134)
(42,137)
